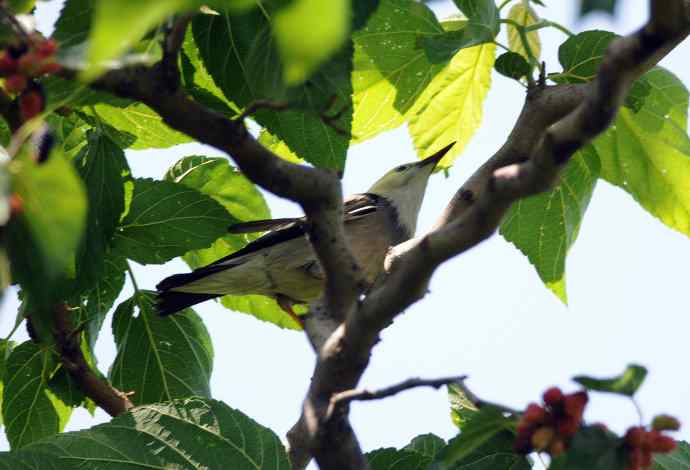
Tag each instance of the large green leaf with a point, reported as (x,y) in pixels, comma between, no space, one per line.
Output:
(158,358)
(625,384)
(166,220)
(679,459)
(544,227)
(249,69)
(450,108)
(29,409)
(426,444)
(390,71)
(647,153)
(581,55)
(134,126)
(73,24)
(480,26)
(190,434)
(494,454)
(479,429)
(523,14)
(54,205)
(6,347)
(394,459)
(104,170)
(592,448)
(307,33)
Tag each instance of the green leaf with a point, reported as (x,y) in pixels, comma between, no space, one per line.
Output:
(544,227)
(70,133)
(625,384)
(679,459)
(524,15)
(108,39)
(607,6)
(6,348)
(394,459)
(592,448)
(21,6)
(192,433)
(450,108)
(264,308)
(54,205)
(166,220)
(249,70)
(478,430)
(73,24)
(199,83)
(277,146)
(29,409)
(581,55)
(512,65)
(647,153)
(426,444)
(307,33)
(104,170)
(160,358)
(386,85)
(482,26)
(495,454)
(135,126)
(100,298)
(461,407)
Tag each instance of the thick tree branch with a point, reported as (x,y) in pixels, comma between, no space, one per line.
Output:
(113,402)
(555,123)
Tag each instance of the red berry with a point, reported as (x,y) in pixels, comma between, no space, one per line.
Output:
(553,396)
(46,48)
(575,404)
(15,83)
(556,448)
(542,437)
(567,426)
(522,443)
(635,458)
(50,68)
(635,437)
(646,460)
(30,105)
(29,64)
(8,65)
(16,205)
(534,414)
(661,443)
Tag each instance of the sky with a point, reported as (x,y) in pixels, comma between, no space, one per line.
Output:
(487,314)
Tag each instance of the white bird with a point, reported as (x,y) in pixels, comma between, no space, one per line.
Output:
(282,263)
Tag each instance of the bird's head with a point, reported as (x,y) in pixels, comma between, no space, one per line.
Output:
(404,187)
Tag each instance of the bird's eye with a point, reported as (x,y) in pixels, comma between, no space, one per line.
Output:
(402,168)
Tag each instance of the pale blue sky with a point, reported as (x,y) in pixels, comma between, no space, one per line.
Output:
(487,315)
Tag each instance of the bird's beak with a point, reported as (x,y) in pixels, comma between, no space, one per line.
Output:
(435,158)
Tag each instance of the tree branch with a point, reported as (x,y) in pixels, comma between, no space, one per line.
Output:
(555,123)
(343,399)
(113,401)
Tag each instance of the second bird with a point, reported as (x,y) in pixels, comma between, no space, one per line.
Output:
(282,264)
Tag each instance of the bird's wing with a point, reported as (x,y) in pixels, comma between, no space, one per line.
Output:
(262,225)
(360,205)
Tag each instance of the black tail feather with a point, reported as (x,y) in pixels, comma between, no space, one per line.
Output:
(169,302)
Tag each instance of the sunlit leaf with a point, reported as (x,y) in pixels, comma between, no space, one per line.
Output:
(524,15)
(625,384)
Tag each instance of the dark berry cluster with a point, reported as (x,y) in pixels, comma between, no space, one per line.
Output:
(641,443)
(549,427)
(20,65)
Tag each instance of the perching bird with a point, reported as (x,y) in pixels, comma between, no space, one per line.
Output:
(282,264)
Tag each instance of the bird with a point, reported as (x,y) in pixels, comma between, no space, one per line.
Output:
(282,263)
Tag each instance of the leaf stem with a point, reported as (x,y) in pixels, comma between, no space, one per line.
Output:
(523,39)
(548,24)
(134,280)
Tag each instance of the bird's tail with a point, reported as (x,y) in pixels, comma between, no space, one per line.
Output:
(169,301)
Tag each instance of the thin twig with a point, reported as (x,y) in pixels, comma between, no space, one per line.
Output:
(256,105)
(341,399)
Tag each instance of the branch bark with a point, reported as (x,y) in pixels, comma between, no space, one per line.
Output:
(111,400)
(555,122)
